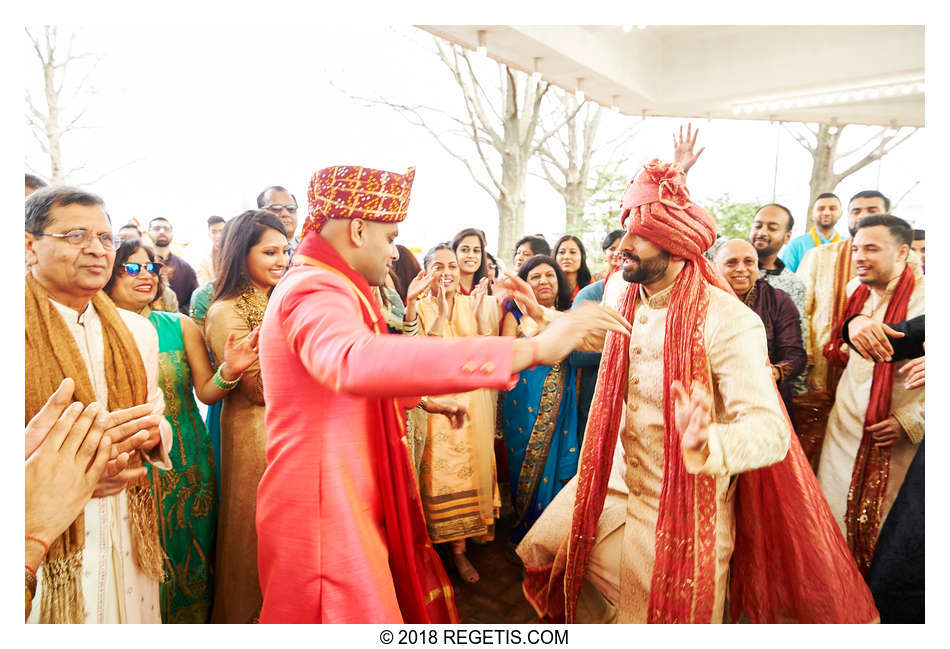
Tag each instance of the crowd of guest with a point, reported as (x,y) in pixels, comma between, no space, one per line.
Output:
(139,510)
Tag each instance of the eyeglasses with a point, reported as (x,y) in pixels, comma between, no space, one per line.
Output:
(276,208)
(133,268)
(82,238)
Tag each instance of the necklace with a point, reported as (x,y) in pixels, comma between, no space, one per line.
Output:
(251,305)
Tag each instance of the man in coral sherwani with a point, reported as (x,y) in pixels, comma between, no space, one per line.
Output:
(341,535)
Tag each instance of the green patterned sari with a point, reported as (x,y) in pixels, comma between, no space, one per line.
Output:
(188,493)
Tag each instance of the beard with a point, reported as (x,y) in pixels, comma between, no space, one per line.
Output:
(648,271)
(768,251)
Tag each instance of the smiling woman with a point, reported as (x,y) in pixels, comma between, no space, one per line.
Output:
(540,413)
(469,247)
(457,474)
(253,259)
(187,493)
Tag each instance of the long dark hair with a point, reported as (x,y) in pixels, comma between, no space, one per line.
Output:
(563,302)
(216,250)
(404,270)
(583,273)
(482,270)
(125,250)
(244,232)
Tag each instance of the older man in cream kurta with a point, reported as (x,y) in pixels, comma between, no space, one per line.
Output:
(846,421)
(115,589)
(748,431)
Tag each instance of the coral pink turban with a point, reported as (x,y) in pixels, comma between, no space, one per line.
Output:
(659,209)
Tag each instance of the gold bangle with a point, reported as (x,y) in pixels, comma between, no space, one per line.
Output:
(423,402)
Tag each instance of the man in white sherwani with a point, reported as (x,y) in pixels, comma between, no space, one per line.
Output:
(70,253)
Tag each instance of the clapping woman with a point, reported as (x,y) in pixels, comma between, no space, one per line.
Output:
(254,255)
(187,493)
(457,473)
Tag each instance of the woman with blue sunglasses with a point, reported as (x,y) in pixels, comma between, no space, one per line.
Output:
(188,493)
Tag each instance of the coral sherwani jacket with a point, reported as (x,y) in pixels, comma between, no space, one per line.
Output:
(322,552)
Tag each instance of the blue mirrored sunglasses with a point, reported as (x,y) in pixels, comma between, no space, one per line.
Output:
(133,268)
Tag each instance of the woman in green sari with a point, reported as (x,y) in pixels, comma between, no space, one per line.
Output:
(187,493)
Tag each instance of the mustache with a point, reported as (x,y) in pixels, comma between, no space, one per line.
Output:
(628,256)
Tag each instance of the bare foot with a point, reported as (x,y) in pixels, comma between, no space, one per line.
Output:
(466,569)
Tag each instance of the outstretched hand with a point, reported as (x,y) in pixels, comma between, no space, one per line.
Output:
(567,332)
(523,295)
(683,148)
(693,414)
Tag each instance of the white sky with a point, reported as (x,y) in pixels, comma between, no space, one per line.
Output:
(199,119)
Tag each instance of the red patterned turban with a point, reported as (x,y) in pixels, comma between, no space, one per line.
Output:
(658,202)
(357,193)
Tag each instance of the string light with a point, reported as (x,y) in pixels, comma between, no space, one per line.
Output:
(828,98)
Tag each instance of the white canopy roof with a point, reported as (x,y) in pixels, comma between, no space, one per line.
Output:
(828,74)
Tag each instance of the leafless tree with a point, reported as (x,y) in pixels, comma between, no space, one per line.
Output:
(51,122)
(501,122)
(821,141)
(568,157)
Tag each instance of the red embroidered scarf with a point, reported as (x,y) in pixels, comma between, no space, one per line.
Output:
(872,463)
(422,588)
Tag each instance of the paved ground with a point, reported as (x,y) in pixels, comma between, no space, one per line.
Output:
(497,596)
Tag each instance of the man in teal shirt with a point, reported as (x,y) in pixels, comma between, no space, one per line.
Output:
(826,211)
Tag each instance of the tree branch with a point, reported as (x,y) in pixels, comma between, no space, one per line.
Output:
(808,146)
(864,144)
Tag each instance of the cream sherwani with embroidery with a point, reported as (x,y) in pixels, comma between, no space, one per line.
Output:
(817,271)
(846,421)
(748,431)
(114,588)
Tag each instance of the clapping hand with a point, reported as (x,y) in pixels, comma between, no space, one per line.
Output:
(70,449)
(442,299)
(130,429)
(419,283)
(240,356)
(478,295)
(683,148)
(693,414)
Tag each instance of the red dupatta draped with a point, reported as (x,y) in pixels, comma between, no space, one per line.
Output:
(816,581)
(869,476)
(422,588)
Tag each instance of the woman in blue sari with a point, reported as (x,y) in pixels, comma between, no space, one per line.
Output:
(540,413)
